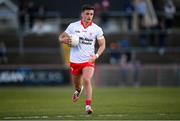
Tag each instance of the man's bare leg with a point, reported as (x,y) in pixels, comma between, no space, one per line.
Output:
(78,83)
(87,77)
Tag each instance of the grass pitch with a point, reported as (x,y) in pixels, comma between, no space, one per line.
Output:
(51,103)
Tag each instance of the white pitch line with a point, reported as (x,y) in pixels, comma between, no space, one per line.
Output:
(8,118)
(62,116)
(112,115)
(26,117)
(163,114)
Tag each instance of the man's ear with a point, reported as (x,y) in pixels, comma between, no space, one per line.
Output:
(82,14)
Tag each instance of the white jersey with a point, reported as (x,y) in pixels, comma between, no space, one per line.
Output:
(88,36)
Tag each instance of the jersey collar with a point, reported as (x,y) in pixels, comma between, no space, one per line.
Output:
(87,25)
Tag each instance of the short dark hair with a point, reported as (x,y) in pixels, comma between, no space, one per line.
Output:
(87,7)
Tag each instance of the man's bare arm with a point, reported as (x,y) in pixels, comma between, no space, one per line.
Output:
(102,46)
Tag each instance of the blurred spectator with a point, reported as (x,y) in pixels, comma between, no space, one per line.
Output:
(125,45)
(39,24)
(97,12)
(41,12)
(98,9)
(106,5)
(105,13)
(104,18)
(162,34)
(27,12)
(162,37)
(125,60)
(114,53)
(129,10)
(31,13)
(141,9)
(22,14)
(3,53)
(169,10)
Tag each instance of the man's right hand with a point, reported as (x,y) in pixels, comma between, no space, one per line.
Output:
(65,38)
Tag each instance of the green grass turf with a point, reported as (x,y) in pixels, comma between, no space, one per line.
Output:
(48,103)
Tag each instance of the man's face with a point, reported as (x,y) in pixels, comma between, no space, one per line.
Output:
(87,15)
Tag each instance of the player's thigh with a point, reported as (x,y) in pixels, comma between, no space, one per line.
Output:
(88,73)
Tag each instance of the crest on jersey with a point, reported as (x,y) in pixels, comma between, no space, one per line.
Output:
(90,33)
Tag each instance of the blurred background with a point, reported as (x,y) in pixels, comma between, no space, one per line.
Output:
(142,42)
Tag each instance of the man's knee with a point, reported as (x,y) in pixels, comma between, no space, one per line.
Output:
(87,81)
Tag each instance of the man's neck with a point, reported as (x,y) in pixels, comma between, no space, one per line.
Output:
(86,24)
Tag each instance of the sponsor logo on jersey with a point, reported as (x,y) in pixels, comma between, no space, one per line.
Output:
(86,41)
